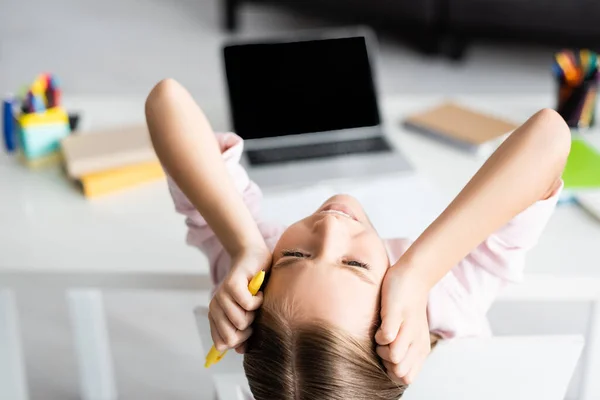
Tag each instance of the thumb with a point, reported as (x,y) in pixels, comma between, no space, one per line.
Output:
(391,320)
(388,330)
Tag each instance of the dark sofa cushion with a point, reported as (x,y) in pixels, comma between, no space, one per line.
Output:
(572,17)
(366,11)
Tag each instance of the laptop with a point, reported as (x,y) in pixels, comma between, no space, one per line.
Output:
(307,108)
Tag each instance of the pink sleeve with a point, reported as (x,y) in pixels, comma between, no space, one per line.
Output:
(459,302)
(199,233)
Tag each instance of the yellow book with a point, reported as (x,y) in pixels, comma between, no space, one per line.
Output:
(112,180)
(108,149)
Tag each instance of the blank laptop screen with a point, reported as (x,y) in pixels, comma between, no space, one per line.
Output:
(279,89)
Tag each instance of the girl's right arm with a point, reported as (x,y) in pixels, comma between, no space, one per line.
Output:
(191,155)
(188,150)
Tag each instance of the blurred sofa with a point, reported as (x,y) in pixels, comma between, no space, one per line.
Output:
(447,26)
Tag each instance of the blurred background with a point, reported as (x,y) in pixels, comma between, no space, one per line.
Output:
(118,49)
(124,47)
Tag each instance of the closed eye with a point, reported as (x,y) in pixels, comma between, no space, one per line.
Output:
(295,257)
(354,263)
(294,253)
(298,254)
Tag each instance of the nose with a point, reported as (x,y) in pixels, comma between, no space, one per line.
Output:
(333,236)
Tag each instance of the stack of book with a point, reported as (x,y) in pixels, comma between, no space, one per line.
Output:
(112,160)
(456,125)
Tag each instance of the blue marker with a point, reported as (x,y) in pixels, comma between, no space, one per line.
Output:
(557,71)
(54,82)
(38,104)
(9,124)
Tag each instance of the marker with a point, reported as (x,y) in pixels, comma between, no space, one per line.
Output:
(54,85)
(214,356)
(50,101)
(22,93)
(9,124)
(57,97)
(38,87)
(38,103)
(29,106)
(54,82)
(584,56)
(45,79)
(557,71)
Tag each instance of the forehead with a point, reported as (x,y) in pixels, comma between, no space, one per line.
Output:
(327,293)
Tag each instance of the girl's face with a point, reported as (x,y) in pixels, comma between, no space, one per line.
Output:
(331,265)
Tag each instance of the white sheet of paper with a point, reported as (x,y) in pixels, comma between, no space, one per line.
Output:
(399,206)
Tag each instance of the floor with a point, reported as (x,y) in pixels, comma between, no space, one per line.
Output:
(124,47)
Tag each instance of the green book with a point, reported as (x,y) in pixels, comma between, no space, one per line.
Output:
(583,167)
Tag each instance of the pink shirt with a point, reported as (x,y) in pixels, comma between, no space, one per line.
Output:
(457,304)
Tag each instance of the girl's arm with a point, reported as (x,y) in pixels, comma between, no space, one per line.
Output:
(188,150)
(525,169)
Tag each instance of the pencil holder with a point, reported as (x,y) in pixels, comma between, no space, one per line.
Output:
(576,103)
(40,134)
(41,123)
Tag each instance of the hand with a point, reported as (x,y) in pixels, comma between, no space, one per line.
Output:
(231,310)
(403,338)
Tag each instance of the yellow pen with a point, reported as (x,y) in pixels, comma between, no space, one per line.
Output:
(214,356)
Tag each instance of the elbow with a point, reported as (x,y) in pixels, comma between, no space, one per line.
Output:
(164,91)
(159,100)
(552,134)
(556,133)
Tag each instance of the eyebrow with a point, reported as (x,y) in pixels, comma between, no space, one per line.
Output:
(291,261)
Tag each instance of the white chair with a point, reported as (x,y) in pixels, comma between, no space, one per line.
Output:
(499,368)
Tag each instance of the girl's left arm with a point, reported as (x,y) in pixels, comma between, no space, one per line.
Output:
(525,169)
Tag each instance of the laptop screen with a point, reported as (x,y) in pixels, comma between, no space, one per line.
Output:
(278,89)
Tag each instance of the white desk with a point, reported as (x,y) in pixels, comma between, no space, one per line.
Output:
(51,237)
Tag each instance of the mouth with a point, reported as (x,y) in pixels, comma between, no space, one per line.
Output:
(339,209)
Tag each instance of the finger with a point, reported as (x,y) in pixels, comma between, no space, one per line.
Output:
(413,355)
(214,334)
(414,371)
(226,330)
(244,298)
(388,330)
(241,349)
(384,353)
(399,347)
(391,371)
(239,318)
(243,336)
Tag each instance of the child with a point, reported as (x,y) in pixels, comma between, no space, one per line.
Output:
(345,314)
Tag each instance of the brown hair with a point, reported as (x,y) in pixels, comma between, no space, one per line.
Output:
(312,361)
